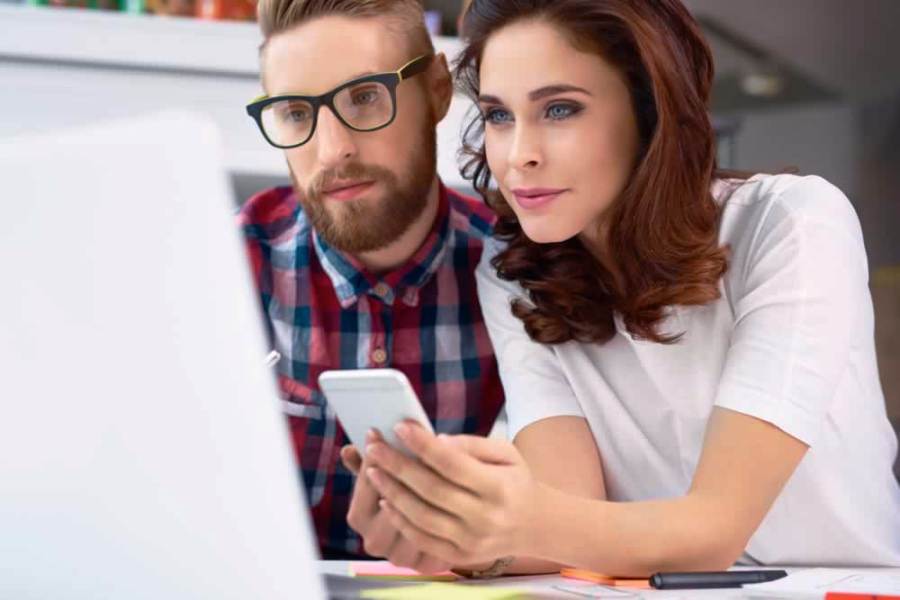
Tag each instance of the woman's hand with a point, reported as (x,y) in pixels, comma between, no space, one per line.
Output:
(469,501)
(380,537)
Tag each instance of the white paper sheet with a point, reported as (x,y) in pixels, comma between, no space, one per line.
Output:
(815,583)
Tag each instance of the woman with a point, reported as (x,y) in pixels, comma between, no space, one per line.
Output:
(688,361)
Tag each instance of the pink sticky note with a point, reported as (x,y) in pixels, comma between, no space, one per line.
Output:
(387,570)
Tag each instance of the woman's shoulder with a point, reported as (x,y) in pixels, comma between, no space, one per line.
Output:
(771,220)
(802,192)
(784,202)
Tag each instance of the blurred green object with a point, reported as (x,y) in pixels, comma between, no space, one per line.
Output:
(886,300)
(887,276)
(134,7)
(129,6)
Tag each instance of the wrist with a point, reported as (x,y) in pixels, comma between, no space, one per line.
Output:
(541,528)
(561,525)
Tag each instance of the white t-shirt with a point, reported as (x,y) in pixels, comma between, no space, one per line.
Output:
(790,342)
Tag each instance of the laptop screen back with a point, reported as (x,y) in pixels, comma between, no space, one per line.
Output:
(142,452)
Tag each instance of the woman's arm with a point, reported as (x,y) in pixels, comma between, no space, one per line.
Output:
(562,454)
(475,499)
(743,467)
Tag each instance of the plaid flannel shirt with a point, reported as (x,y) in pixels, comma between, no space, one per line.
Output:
(324,310)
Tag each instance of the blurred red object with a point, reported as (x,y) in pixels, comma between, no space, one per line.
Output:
(184,8)
(239,10)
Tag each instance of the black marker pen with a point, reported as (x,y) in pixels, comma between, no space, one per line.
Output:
(712,579)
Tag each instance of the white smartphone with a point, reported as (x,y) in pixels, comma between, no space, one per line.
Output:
(367,399)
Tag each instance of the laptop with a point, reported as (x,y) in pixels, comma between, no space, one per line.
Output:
(142,449)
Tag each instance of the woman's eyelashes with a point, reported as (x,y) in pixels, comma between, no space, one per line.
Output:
(496,116)
(555,111)
(560,111)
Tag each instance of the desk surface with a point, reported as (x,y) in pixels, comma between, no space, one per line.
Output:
(543,586)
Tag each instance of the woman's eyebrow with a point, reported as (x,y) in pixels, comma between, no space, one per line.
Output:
(552,90)
(538,94)
(487,99)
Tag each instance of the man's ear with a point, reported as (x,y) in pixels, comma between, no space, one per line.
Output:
(440,86)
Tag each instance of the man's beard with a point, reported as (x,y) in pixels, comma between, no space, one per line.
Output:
(356,226)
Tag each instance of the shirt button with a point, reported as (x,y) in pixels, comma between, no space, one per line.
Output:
(379,356)
(382,290)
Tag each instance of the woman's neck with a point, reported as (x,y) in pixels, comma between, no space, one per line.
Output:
(595,240)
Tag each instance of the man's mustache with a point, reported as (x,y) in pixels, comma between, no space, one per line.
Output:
(349,172)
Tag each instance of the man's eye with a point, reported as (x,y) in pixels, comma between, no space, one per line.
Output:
(295,115)
(365,97)
(558,112)
(497,115)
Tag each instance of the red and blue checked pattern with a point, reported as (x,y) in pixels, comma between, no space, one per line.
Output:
(325,311)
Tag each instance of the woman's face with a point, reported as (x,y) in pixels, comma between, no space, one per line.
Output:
(560,132)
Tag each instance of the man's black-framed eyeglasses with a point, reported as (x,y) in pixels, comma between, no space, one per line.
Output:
(367,103)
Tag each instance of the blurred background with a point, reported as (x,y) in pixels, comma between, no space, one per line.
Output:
(806,84)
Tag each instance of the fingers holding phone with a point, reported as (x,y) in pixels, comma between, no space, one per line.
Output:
(369,403)
(379,535)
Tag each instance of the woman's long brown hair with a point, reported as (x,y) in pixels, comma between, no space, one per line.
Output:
(663,229)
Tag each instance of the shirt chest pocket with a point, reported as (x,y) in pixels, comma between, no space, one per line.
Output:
(313,432)
(298,400)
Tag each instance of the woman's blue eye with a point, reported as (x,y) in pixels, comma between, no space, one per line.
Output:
(497,115)
(558,112)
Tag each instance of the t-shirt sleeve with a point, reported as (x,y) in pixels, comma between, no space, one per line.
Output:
(798,296)
(533,381)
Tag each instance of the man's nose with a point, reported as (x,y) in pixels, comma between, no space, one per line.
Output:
(334,140)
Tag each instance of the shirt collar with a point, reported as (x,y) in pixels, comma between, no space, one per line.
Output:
(351,280)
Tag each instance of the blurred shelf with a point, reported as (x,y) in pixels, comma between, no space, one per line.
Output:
(116,39)
(70,66)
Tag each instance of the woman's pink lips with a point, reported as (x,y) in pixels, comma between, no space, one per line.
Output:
(349,192)
(535,197)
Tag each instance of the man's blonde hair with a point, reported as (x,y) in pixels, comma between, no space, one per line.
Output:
(406,17)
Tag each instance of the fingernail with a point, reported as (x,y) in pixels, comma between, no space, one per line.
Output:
(371,436)
(375,450)
(402,430)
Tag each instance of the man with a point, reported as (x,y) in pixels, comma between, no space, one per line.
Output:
(368,261)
